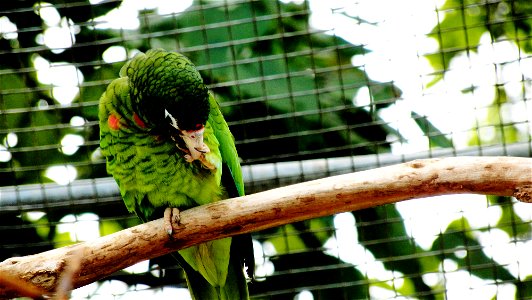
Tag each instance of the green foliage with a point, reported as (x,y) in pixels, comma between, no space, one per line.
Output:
(458,244)
(463,22)
(384,234)
(293,101)
(15,244)
(493,128)
(435,136)
(41,129)
(510,222)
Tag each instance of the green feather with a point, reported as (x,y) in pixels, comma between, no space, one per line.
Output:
(227,144)
(152,172)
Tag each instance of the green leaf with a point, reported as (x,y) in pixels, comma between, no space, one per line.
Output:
(510,222)
(459,237)
(287,240)
(463,23)
(109,226)
(12,98)
(382,231)
(435,136)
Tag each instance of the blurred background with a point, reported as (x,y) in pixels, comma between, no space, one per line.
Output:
(309,89)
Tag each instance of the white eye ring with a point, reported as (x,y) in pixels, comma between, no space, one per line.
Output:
(173,121)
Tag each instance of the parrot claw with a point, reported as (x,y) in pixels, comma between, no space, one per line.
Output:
(171,217)
(205,163)
(182,149)
(199,154)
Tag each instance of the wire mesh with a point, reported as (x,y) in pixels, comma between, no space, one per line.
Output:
(309,89)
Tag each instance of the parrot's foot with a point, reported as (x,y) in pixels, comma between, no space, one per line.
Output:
(205,163)
(182,149)
(171,216)
(189,158)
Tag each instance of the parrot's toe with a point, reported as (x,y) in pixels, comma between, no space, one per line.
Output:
(206,164)
(171,217)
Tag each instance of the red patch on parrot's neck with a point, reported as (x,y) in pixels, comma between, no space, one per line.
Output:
(113,122)
(139,122)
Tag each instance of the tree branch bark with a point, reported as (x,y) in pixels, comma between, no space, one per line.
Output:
(504,176)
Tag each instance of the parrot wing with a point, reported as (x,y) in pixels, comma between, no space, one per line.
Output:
(227,148)
(233,184)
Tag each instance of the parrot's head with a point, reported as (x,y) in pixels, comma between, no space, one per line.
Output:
(169,95)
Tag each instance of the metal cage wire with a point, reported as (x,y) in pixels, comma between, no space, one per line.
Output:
(309,89)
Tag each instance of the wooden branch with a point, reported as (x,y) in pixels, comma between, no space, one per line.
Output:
(504,176)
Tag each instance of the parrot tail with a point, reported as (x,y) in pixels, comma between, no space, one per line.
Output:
(234,288)
(235,285)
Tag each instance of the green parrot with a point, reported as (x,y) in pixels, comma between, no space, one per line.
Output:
(169,148)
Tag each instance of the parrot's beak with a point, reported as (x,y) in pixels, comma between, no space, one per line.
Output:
(194,141)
